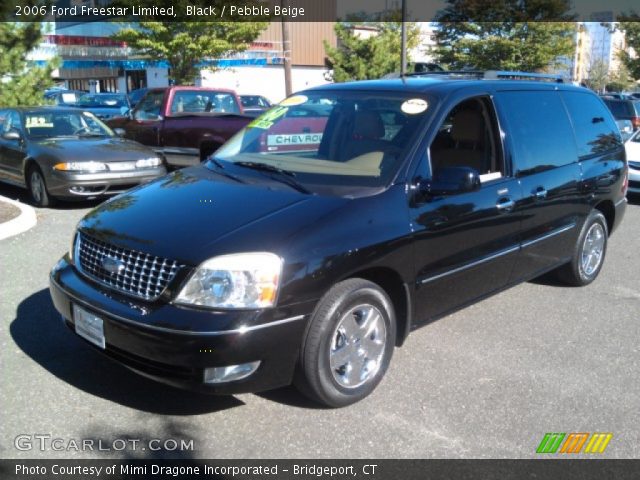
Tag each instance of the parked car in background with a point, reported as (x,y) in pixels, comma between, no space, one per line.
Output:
(616,95)
(184,124)
(626,128)
(254,105)
(413,198)
(104,105)
(625,110)
(632,147)
(64,97)
(136,95)
(69,154)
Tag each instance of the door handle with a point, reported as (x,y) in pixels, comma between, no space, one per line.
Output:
(505,204)
(540,192)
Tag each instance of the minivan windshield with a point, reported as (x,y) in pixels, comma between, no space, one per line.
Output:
(342,138)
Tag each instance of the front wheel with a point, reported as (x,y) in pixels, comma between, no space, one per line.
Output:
(348,345)
(38,188)
(588,255)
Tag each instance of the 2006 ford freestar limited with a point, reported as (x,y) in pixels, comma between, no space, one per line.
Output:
(311,244)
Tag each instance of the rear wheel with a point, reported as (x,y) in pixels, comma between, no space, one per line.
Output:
(589,252)
(38,188)
(349,344)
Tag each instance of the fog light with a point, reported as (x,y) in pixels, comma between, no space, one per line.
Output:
(230,373)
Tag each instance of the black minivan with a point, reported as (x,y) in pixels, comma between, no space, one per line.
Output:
(312,243)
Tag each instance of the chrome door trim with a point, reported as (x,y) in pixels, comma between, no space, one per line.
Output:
(548,235)
(475,263)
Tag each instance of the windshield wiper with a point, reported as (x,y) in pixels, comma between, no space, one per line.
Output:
(91,134)
(286,176)
(214,161)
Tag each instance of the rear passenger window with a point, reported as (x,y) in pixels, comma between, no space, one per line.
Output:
(596,132)
(539,129)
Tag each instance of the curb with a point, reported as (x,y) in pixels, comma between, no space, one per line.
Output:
(22,223)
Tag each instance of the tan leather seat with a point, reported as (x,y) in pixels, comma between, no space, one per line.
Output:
(368,131)
(467,131)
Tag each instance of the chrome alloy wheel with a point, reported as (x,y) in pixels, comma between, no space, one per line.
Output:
(37,186)
(357,346)
(593,249)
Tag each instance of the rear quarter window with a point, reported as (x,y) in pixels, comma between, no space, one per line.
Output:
(620,108)
(539,130)
(595,129)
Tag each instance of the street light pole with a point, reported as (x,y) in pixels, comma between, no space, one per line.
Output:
(403,40)
(286,50)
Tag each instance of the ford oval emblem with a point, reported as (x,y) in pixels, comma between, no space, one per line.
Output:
(113,265)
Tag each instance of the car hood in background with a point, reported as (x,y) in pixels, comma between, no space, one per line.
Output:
(100,149)
(103,112)
(195,213)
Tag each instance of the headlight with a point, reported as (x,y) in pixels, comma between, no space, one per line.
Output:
(148,162)
(73,246)
(80,167)
(243,280)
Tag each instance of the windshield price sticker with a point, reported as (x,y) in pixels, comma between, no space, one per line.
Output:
(414,106)
(266,121)
(293,101)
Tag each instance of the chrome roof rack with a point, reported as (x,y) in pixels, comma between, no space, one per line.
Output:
(507,75)
(493,75)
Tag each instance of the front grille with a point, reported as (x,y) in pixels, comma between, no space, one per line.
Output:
(134,273)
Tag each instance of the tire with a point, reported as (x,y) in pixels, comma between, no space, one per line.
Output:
(348,345)
(588,253)
(38,188)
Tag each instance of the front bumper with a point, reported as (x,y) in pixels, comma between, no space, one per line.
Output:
(174,345)
(87,185)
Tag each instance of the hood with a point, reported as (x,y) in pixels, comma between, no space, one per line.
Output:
(101,149)
(194,214)
(104,112)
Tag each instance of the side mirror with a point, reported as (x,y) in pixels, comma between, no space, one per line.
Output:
(119,132)
(12,135)
(451,181)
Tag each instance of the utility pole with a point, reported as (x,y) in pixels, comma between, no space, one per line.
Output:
(286,50)
(403,40)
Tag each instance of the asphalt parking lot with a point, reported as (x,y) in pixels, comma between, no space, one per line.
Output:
(486,382)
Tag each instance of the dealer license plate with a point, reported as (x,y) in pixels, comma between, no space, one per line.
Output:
(88,326)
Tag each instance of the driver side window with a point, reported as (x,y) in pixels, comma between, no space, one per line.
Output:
(149,107)
(11,121)
(469,137)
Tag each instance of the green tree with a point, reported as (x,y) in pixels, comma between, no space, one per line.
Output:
(22,82)
(185,44)
(598,75)
(361,58)
(630,25)
(469,37)
(620,80)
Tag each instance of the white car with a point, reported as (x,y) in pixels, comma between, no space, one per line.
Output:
(633,157)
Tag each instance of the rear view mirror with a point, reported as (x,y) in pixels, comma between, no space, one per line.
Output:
(12,135)
(452,180)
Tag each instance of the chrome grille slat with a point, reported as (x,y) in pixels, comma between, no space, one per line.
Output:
(145,276)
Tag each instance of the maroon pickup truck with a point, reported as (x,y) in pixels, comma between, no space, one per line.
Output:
(185,124)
